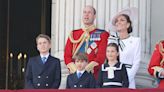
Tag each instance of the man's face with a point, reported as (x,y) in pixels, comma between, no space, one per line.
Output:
(43,45)
(88,16)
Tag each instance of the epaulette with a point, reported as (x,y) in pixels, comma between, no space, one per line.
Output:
(76,30)
(72,39)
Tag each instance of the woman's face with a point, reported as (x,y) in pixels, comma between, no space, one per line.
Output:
(111,53)
(121,23)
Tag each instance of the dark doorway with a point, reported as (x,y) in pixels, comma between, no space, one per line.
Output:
(20,22)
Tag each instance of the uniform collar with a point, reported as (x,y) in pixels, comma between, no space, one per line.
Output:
(89,29)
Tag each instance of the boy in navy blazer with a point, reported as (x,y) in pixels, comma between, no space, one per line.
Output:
(81,78)
(44,70)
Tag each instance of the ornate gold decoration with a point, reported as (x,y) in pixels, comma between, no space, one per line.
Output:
(84,37)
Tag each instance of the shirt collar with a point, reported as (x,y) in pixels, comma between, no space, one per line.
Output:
(44,55)
(80,71)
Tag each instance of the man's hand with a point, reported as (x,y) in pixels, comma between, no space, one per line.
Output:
(90,66)
(72,67)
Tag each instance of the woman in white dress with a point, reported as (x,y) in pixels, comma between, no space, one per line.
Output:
(130,46)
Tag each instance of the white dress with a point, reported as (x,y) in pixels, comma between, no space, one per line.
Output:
(130,54)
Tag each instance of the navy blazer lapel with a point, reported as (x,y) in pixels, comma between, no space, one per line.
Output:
(39,64)
(83,76)
(47,64)
(75,78)
(39,61)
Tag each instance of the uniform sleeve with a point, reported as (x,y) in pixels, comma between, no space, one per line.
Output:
(154,65)
(101,53)
(28,76)
(68,52)
(136,61)
(125,80)
(57,80)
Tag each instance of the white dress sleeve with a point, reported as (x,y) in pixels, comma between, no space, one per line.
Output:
(136,60)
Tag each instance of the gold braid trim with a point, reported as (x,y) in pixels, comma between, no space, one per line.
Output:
(89,29)
(161,50)
(86,31)
(84,37)
(77,49)
(75,41)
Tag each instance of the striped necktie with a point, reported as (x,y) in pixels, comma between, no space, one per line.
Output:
(44,59)
(79,74)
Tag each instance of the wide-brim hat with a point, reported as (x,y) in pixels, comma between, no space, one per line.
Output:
(132,12)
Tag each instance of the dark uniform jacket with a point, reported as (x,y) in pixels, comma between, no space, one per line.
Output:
(120,78)
(85,81)
(42,76)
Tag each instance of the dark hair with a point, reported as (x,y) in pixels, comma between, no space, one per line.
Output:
(81,56)
(94,10)
(116,47)
(130,29)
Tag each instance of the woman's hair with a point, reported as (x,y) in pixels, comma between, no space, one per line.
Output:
(116,47)
(130,29)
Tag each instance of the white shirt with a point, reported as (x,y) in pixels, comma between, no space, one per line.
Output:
(45,56)
(80,72)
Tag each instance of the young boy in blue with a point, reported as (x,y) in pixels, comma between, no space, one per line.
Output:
(81,78)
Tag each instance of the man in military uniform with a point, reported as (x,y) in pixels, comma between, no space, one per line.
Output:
(43,71)
(89,40)
(156,66)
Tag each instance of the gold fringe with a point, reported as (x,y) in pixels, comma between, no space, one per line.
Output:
(161,50)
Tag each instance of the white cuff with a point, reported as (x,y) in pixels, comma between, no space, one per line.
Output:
(159,74)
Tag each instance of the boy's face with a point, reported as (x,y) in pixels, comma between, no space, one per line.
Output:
(43,45)
(80,64)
